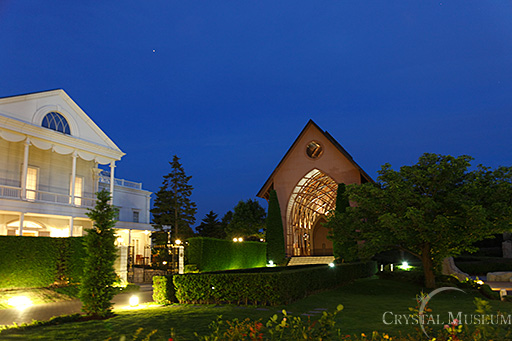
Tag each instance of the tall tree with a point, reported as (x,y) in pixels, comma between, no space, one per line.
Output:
(173,210)
(434,209)
(96,290)
(343,248)
(248,219)
(274,232)
(211,227)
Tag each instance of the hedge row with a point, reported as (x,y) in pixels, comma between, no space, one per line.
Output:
(210,254)
(264,288)
(29,262)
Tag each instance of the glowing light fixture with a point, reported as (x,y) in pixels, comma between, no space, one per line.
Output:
(146,232)
(177,241)
(120,240)
(19,302)
(331,265)
(235,239)
(270,264)
(405,266)
(240,239)
(164,262)
(479,282)
(134,301)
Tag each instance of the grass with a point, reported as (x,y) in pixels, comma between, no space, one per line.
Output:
(365,302)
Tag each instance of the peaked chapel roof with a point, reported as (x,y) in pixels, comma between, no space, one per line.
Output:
(263,192)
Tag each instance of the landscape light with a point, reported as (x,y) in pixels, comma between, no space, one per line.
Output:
(134,301)
(240,239)
(405,266)
(19,302)
(331,265)
(164,262)
(271,263)
(235,239)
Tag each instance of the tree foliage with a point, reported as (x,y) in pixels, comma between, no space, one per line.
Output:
(343,248)
(173,210)
(97,291)
(274,232)
(248,219)
(433,209)
(211,227)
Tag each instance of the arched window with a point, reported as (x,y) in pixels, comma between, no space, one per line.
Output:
(55,121)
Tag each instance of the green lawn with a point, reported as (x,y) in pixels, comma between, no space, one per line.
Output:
(365,302)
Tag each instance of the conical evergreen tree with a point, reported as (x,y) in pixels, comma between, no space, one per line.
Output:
(173,210)
(97,291)
(211,227)
(274,232)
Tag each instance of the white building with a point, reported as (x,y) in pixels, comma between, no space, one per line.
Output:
(49,156)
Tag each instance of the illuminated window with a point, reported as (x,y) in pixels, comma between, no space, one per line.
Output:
(57,122)
(32,175)
(79,188)
(314,149)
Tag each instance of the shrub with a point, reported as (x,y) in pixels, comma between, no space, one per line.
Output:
(210,254)
(39,262)
(163,289)
(267,287)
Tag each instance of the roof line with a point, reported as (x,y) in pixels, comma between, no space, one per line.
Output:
(31,93)
(330,138)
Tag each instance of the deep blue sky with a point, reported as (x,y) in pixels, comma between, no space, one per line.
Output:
(228,85)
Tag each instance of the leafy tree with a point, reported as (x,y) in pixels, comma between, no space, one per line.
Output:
(211,227)
(343,248)
(248,219)
(97,291)
(173,210)
(274,231)
(226,219)
(434,209)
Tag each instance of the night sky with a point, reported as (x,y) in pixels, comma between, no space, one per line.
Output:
(229,85)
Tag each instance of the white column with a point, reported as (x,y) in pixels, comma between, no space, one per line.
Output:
(146,211)
(71,219)
(112,179)
(73,179)
(22,219)
(24,170)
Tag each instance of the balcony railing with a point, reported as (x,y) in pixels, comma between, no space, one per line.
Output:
(104,179)
(11,192)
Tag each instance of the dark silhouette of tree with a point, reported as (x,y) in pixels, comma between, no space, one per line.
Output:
(434,209)
(173,210)
(248,219)
(211,227)
(274,232)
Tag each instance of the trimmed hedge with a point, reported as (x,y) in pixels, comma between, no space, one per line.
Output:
(29,262)
(163,290)
(266,287)
(210,254)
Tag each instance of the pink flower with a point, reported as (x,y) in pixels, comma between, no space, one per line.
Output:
(446,326)
(455,322)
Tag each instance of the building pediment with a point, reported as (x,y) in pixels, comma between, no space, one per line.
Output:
(24,116)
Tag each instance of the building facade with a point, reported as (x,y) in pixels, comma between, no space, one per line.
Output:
(306,181)
(50,157)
